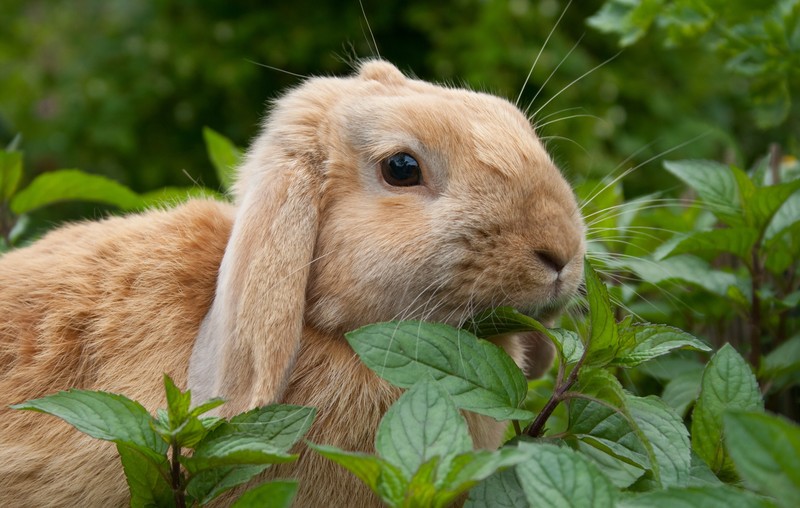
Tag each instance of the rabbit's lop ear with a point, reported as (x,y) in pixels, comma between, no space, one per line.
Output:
(247,342)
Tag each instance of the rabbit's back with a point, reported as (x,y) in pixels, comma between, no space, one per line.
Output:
(108,305)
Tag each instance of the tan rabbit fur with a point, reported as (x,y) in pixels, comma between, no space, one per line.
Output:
(250,301)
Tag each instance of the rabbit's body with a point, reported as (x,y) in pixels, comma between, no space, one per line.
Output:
(78,310)
(61,301)
(250,302)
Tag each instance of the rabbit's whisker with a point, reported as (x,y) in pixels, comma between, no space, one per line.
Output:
(634,168)
(541,50)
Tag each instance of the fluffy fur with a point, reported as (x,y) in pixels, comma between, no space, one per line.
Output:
(250,301)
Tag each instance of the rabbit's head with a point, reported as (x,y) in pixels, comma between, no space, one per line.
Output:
(378,197)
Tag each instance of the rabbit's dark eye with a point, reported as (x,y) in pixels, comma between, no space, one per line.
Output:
(401,170)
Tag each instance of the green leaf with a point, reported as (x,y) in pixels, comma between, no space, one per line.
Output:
(766,201)
(784,359)
(738,241)
(501,490)
(609,430)
(280,425)
(147,479)
(559,477)
(785,217)
(604,340)
(685,268)
(716,185)
(766,451)
(234,450)
(467,469)
(70,185)
(10,173)
(382,477)
(622,474)
(275,494)
(479,376)
(177,402)
(601,384)
(700,475)
(502,320)
(207,406)
(651,341)
(422,424)
(708,497)
(103,416)
(668,437)
(628,19)
(681,392)
(206,485)
(223,154)
(728,383)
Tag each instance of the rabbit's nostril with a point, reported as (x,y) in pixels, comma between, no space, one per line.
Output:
(552,260)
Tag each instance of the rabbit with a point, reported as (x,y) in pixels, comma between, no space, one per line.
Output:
(364,199)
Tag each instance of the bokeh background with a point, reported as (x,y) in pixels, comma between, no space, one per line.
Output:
(123,88)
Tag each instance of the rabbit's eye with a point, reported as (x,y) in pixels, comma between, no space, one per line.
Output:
(401,170)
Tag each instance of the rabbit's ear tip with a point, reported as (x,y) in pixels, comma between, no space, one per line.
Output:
(380,70)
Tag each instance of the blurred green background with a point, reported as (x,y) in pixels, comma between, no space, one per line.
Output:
(123,88)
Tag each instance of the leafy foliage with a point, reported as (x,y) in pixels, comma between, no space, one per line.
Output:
(225,453)
(710,248)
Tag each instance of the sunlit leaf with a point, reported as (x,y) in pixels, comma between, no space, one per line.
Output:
(224,155)
(10,173)
(71,185)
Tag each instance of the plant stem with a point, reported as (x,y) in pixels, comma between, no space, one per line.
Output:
(537,427)
(755,310)
(177,489)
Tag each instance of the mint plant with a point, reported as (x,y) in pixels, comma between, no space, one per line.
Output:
(153,449)
(617,449)
(17,203)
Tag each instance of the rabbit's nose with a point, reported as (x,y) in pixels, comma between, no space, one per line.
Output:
(553,260)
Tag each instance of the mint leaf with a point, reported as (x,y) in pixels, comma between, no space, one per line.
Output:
(668,438)
(383,478)
(478,375)
(70,185)
(422,424)
(766,201)
(716,185)
(147,478)
(223,154)
(604,340)
(501,490)
(766,451)
(275,494)
(501,320)
(103,416)
(728,383)
(708,497)
(608,430)
(280,425)
(647,341)
(10,173)
(558,477)
(738,241)
(206,485)
(681,392)
(177,402)
(234,450)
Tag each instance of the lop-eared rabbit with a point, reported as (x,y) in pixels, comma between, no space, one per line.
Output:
(364,199)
